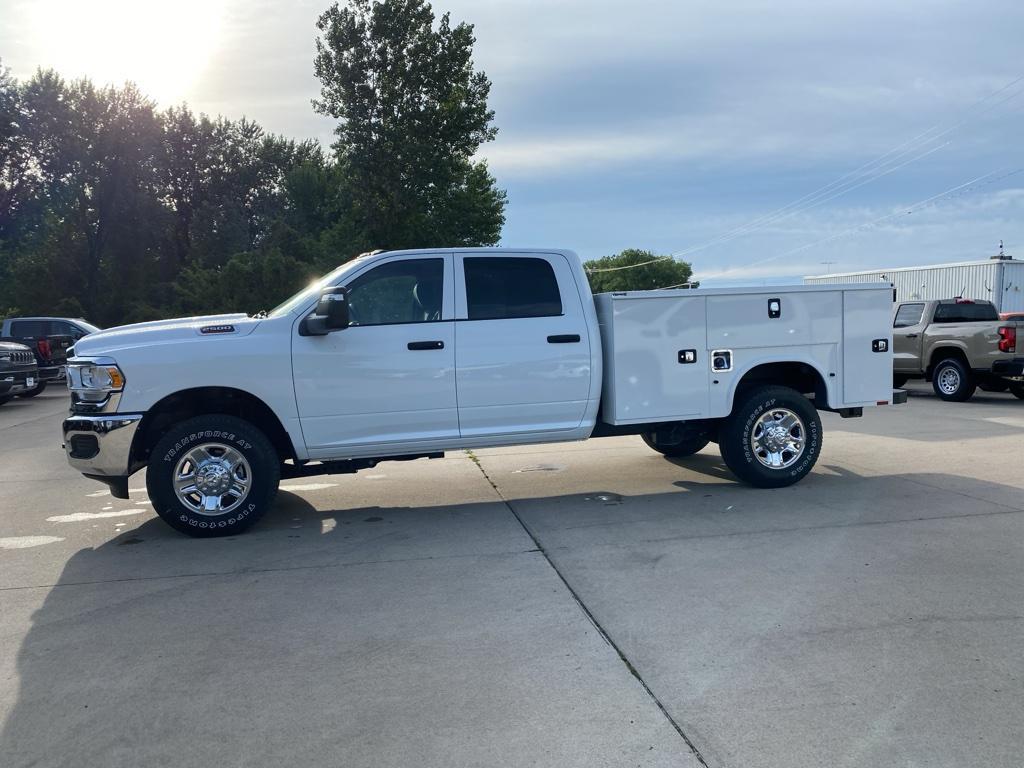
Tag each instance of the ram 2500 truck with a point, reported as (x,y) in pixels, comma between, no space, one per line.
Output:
(958,345)
(408,354)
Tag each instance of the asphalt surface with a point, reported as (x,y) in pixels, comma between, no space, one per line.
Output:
(591,604)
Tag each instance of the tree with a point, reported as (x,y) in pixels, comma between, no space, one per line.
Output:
(637,270)
(413,114)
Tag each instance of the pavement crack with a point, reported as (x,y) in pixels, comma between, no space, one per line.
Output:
(590,616)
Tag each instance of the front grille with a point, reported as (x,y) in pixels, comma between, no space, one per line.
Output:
(22,358)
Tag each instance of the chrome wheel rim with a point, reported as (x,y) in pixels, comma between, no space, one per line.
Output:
(949,380)
(212,479)
(778,438)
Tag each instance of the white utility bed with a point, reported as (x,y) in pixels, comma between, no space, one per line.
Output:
(659,346)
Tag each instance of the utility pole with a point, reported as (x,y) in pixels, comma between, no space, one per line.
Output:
(828,267)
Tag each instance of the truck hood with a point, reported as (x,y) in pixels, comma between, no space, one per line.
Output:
(209,327)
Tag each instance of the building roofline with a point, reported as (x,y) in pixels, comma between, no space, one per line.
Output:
(888,270)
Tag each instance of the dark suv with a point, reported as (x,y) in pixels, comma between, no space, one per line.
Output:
(18,370)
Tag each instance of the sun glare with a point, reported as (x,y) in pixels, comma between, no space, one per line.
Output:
(162,46)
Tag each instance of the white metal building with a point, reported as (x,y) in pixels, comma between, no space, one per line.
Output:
(1000,281)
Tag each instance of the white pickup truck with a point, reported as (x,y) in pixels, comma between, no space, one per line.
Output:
(407,354)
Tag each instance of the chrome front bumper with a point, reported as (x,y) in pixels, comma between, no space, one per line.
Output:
(100,446)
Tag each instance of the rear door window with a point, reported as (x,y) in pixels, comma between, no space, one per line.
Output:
(499,288)
(908,315)
(24,329)
(965,313)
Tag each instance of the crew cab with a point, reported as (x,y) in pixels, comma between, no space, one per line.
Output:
(408,354)
(18,370)
(958,345)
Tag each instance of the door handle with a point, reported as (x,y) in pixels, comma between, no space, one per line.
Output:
(418,345)
(564,338)
(911,336)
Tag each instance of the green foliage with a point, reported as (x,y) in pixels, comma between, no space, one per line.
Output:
(619,273)
(117,211)
(413,114)
(247,282)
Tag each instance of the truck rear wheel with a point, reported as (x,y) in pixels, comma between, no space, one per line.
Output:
(772,438)
(212,475)
(953,381)
(677,440)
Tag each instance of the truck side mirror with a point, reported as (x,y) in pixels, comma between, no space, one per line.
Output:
(331,313)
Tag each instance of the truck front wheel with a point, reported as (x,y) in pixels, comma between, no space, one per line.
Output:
(212,475)
(953,381)
(772,438)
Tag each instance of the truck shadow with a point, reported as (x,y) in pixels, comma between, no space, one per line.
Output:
(156,649)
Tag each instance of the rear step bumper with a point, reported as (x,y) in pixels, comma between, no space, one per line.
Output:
(1009,368)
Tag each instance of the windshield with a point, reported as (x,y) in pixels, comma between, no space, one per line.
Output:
(312,290)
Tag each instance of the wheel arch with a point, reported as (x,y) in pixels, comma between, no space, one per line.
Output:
(199,401)
(944,352)
(802,375)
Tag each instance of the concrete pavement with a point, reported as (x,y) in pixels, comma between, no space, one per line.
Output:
(588,604)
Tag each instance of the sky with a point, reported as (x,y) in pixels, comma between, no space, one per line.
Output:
(760,140)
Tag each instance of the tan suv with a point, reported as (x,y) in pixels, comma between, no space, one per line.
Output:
(957,345)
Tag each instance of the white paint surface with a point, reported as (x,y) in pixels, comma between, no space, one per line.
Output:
(78,517)
(307,486)
(24,542)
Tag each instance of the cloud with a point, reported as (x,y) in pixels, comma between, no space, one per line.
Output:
(664,124)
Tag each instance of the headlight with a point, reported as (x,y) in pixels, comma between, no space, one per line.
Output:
(5,357)
(94,380)
(103,377)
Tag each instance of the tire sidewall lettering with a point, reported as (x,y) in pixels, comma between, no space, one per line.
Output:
(209,434)
(810,455)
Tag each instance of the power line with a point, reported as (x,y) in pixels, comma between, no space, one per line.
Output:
(881,166)
(967,186)
(866,173)
(629,266)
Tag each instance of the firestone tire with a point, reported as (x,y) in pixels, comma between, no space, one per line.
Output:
(232,469)
(953,381)
(33,392)
(773,437)
(685,445)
